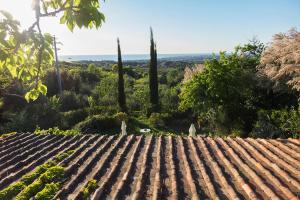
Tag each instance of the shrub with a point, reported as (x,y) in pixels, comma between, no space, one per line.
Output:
(70,101)
(288,120)
(264,128)
(277,123)
(85,89)
(39,112)
(73,117)
(121,116)
(98,123)
(156,120)
(89,76)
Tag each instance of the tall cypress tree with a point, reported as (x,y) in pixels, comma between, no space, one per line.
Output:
(153,83)
(121,92)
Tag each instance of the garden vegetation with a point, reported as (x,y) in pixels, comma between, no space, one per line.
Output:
(252,91)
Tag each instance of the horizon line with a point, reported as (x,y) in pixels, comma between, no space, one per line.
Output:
(138,54)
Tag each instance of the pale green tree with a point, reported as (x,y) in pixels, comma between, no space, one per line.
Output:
(25,54)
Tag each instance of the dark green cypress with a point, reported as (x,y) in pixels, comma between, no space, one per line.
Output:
(121,92)
(153,81)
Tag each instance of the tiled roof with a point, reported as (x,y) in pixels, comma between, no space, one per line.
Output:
(140,167)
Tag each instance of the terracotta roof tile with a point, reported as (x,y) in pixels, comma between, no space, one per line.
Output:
(140,167)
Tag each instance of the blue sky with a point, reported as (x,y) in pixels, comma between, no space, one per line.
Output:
(190,26)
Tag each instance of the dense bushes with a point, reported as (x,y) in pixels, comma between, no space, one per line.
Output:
(156,120)
(99,124)
(87,92)
(227,93)
(73,117)
(120,116)
(43,112)
(277,123)
(224,96)
(71,101)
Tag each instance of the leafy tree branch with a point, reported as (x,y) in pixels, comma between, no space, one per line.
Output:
(26,54)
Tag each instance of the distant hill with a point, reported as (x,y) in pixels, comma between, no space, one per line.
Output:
(142,60)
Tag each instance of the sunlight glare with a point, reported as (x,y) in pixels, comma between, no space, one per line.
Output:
(20,9)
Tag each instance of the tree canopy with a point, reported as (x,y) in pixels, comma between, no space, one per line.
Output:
(224,87)
(24,54)
(281,60)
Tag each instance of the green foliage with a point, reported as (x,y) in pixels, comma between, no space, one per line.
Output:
(140,100)
(11,191)
(223,99)
(120,116)
(73,117)
(24,54)
(91,101)
(56,131)
(169,98)
(70,101)
(225,87)
(156,120)
(78,13)
(92,185)
(20,53)
(30,190)
(64,155)
(153,79)
(107,90)
(84,193)
(174,76)
(48,192)
(114,68)
(92,68)
(98,124)
(29,178)
(44,181)
(264,128)
(121,90)
(43,112)
(54,102)
(90,75)
(283,123)
(87,191)
(53,174)
(288,120)
(7,134)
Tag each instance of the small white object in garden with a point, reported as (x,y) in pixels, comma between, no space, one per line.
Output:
(123,128)
(192,130)
(145,130)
